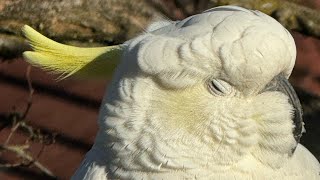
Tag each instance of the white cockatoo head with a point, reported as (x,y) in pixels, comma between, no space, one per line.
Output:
(208,92)
(201,92)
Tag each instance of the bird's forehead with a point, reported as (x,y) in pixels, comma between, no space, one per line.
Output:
(248,46)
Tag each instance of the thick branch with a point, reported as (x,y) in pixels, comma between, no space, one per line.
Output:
(101,22)
(290,14)
(82,22)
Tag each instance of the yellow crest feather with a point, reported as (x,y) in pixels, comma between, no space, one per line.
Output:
(68,60)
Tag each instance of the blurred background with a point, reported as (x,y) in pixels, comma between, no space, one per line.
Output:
(46,127)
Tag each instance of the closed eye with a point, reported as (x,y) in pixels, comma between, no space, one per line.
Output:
(220,87)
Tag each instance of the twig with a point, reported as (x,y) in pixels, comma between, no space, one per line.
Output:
(19,151)
(31,91)
(18,121)
(13,130)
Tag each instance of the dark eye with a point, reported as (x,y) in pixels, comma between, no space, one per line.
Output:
(220,87)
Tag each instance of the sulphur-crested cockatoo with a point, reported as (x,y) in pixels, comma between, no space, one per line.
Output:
(202,98)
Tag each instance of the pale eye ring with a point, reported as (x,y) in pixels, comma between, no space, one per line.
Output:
(220,87)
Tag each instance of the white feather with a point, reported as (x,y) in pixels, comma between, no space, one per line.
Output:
(160,120)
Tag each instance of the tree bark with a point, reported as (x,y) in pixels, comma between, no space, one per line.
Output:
(81,22)
(106,22)
(290,14)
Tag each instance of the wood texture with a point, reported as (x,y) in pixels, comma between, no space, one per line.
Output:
(81,22)
(289,13)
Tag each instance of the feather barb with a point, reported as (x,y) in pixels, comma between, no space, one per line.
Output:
(69,60)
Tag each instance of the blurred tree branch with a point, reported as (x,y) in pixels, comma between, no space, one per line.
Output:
(289,13)
(17,122)
(101,22)
(81,22)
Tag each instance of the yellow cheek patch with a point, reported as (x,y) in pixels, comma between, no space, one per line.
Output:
(256,117)
(183,109)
